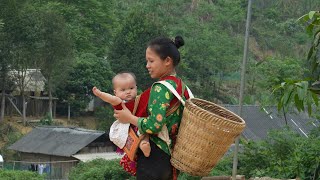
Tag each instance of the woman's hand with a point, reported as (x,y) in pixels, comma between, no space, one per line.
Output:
(125,116)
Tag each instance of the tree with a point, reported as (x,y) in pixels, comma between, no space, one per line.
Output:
(25,36)
(88,71)
(127,52)
(55,52)
(4,69)
(304,93)
(8,14)
(89,23)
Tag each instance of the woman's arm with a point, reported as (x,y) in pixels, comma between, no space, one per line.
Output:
(125,116)
(113,100)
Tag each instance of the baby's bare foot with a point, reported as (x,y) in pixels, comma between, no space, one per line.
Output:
(145,148)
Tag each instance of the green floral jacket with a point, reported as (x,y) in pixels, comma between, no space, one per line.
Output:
(159,102)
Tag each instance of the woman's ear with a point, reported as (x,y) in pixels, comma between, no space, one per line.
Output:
(168,61)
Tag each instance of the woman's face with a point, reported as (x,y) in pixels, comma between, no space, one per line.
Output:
(156,66)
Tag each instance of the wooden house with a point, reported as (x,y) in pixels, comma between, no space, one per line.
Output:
(61,148)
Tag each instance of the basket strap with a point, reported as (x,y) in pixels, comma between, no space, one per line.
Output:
(136,104)
(174,91)
(189,92)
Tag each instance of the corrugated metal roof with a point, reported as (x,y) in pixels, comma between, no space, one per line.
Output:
(92,156)
(261,120)
(59,141)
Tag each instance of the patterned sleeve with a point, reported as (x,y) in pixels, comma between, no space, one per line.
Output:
(159,101)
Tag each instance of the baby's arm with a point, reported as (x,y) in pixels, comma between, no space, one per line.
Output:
(113,100)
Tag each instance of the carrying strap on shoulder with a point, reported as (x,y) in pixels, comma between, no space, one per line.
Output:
(174,91)
(136,104)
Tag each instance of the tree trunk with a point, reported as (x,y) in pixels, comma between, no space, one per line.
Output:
(50,100)
(68,112)
(3,103)
(3,97)
(24,108)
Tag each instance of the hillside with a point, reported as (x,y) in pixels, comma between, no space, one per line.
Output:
(110,36)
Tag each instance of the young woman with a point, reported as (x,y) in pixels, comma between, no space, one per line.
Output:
(164,109)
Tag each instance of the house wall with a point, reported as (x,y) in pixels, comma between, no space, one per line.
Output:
(59,166)
(96,149)
(100,145)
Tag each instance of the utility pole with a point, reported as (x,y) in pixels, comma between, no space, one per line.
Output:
(243,73)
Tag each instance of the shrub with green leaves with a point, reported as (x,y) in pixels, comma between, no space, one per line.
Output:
(223,168)
(284,154)
(99,169)
(21,175)
(46,120)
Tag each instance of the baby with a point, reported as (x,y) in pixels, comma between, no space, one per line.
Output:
(125,90)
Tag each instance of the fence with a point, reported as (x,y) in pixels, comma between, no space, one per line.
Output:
(36,106)
(54,170)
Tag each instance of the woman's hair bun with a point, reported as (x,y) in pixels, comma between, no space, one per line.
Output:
(178,41)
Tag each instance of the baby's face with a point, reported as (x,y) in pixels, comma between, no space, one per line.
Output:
(125,88)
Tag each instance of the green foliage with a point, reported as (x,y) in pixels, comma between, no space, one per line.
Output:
(104,118)
(296,93)
(284,154)
(185,176)
(127,52)
(299,92)
(7,16)
(21,175)
(90,23)
(273,71)
(313,29)
(274,25)
(56,49)
(264,76)
(9,135)
(223,168)
(99,169)
(48,31)
(46,120)
(103,169)
(88,71)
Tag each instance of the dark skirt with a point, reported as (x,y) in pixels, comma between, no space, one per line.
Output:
(155,167)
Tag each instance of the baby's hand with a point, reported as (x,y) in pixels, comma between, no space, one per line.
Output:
(96,91)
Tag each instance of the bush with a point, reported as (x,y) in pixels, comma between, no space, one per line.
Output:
(9,135)
(103,169)
(46,120)
(284,154)
(223,168)
(21,175)
(99,169)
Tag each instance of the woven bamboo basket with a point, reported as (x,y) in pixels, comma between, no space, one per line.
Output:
(205,134)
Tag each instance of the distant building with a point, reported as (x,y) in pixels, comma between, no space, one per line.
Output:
(34,81)
(36,97)
(61,148)
(260,120)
